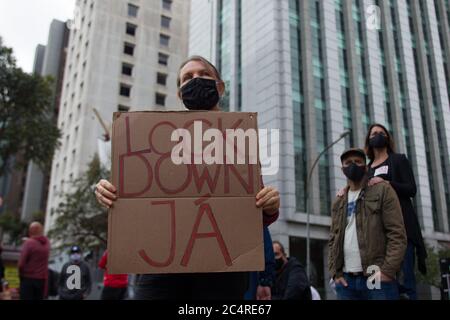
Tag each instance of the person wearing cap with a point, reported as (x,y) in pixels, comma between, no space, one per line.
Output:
(367,238)
(71,288)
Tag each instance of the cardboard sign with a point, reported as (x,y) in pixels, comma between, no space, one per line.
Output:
(188,217)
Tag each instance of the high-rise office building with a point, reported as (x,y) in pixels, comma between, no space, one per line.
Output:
(122,55)
(315,69)
(49,61)
(25,190)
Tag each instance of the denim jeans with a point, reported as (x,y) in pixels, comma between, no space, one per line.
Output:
(357,289)
(408,285)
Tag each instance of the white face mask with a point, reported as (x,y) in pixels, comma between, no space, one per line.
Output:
(75,257)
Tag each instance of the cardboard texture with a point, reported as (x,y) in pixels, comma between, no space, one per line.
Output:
(183,218)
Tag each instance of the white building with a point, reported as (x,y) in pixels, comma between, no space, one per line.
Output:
(122,55)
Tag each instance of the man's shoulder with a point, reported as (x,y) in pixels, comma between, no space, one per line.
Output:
(379,189)
(337,202)
(293,262)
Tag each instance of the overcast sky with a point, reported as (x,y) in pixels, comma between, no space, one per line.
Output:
(25,23)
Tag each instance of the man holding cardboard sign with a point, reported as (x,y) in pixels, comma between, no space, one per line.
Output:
(182,205)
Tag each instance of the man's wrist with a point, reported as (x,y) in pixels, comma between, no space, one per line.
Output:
(265,282)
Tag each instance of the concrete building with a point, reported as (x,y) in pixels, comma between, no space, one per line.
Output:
(314,69)
(122,55)
(49,61)
(24,190)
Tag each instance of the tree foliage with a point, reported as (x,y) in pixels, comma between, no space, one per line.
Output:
(433,276)
(11,225)
(79,218)
(26,115)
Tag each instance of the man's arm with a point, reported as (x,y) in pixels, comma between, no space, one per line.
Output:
(102,263)
(88,280)
(392,219)
(331,244)
(23,256)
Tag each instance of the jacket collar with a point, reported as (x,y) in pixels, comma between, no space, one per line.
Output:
(361,195)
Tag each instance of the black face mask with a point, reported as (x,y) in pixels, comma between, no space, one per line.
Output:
(200,94)
(378,141)
(354,172)
(279,263)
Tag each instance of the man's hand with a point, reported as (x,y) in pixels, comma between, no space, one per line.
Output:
(375,180)
(385,278)
(105,193)
(269,200)
(342,281)
(263,293)
(341,192)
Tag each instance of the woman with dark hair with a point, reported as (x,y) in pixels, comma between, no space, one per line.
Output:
(395,168)
(200,88)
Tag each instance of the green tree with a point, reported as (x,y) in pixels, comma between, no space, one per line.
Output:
(11,225)
(26,123)
(79,218)
(433,276)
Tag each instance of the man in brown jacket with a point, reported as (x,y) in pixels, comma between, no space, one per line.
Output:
(368,239)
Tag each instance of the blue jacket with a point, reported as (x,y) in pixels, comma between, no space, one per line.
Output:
(266,277)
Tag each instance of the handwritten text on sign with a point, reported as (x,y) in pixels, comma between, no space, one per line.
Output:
(181,218)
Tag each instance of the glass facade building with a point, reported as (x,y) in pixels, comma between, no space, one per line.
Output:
(315,69)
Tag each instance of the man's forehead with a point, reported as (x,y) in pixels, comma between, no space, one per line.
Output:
(193,66)
(354,158)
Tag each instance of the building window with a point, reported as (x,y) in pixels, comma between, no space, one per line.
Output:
(165,22)
(123,108)
(132,10)
(161,79)
(163,59)
(167,4)
(131,29)
(127,69)
(164,40)
(125,90)
(128,49)
(160,99)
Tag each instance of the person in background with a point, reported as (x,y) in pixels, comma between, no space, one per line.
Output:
(395,168)
(33,264)
(67,289)
(291,281)
(367,235)
(114,285)
(261,282)
(52,284)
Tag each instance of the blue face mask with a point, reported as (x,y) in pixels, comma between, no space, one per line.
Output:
(75,257)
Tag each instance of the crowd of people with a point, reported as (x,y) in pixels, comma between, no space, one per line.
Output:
(375,237)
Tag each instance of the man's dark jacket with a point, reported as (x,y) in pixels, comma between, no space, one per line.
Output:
(292,282)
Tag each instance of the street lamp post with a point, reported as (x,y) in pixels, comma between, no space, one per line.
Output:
(308,209)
